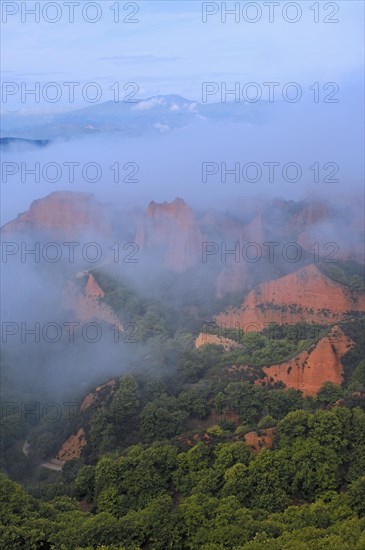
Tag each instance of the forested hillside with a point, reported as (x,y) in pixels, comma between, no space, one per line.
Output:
(201,458)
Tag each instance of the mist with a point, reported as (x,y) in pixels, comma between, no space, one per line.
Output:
(324,140)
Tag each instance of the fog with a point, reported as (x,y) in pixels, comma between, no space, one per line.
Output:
(323,141)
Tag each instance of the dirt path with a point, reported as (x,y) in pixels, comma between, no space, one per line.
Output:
(53,464)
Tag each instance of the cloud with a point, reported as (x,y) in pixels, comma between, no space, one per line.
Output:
(148,58)
(161,127)
(148,104)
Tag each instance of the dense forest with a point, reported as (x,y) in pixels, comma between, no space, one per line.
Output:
(308,491)
(192,453)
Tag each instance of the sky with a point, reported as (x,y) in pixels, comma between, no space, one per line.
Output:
(169,49)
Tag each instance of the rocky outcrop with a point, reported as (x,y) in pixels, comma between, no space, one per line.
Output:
(62,213)
(82,296)
(102,392)
(74,444)
(72,447)
(205,338)
(305,295)
(310,369)
(255,230)
(262,440)
(310,214)
(172,230)
(92,289)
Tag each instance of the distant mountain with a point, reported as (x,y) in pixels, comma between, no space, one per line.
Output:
(62,213)
(7,143)
(158,114)
(174,237)
(305,294)
(202,264)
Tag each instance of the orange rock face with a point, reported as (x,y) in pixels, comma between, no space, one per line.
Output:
(86,304)
(258,442)
(63,213)
(313,213)
(309,370)
(92,397)
(305,295)
(92,289)
(72,447)
(205,338)
(172,228)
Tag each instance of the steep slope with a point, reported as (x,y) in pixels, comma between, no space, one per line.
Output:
(100,393)
(82,296)
(309,370)
(305,295)
(204,338)
(236,276)
(171,230)
(62,213)
(257,441)
(72,447)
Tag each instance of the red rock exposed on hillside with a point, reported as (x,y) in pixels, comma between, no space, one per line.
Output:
(72,447)
(85,301)
(205,338)
(63,213)
(74,444)
(309,370)
(102,391)
(92,289)
(255,230)
(311,214)
(258,442)
(305,295)
(172,227)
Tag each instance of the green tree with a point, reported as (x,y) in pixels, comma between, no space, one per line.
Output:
(356,495)
(162,419)
(84,483)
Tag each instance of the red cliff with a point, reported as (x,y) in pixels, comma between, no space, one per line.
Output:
(258,441)
(172,228)
(62,213)
(309,370)
(311,214)
(86,302)
(305,295)
(72,447)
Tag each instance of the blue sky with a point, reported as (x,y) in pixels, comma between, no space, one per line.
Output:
(170,50)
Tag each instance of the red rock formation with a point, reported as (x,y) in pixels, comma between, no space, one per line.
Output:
(72,447)
(258,442)
(309,370)
(104,390)
(232,278)
(311,214)
(172,227)
(205,338)
(255,231)
(64,213)
(92,289)
(86,303)
(305,295)
(74,444)
(317,223)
